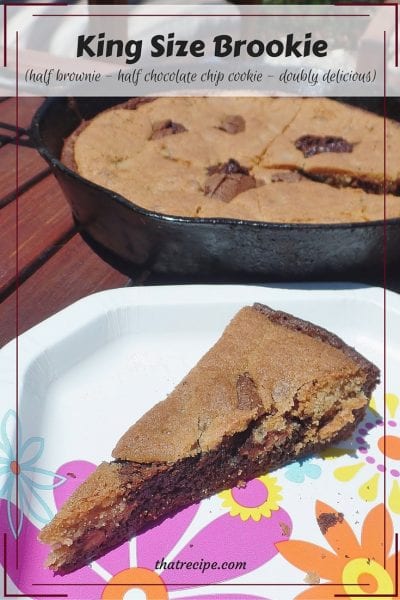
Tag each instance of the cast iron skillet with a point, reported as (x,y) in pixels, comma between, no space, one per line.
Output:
(132,238)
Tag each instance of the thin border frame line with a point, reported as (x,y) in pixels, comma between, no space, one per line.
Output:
(22,4)
(396,21)
(17,364)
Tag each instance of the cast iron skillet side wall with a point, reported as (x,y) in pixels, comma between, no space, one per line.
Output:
(132,238)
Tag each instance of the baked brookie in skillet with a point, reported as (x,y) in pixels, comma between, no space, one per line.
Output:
(272,389)
(290,160)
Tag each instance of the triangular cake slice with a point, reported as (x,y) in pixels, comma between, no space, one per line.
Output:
(272,389)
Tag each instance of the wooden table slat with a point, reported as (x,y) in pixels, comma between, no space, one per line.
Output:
(43,219)
(26,109)
(72,273)
(31,167)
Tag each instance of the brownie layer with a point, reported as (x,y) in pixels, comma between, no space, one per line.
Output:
(171,488)
(370,186)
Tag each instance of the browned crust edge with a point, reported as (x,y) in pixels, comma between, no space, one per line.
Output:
(67,153)
(315,331)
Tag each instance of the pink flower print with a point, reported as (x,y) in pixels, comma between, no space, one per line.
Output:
(132,565)
(29,576)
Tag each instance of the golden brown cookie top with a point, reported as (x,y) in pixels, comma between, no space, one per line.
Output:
(256,368)
(158,154)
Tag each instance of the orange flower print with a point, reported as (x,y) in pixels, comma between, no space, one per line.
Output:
(361,568)
(367,465)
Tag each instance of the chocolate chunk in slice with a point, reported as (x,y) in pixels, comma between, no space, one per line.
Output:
(316,144)
(220,427)
(233,124)
(229,168)
(227,180)
(247,395)
(166,127)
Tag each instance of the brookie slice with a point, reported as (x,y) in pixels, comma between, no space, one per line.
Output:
(273,388)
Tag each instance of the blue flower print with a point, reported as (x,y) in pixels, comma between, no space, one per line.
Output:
(31,479)
(298,471)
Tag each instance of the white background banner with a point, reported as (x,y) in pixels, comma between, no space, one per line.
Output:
(191,50)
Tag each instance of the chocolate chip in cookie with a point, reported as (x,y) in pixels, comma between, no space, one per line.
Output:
(316,144)
(233,124)
(166,127)
(247,395)
(227,180)
(229,168)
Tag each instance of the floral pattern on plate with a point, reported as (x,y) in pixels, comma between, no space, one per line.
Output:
(132,565)
(363,567)
(32,480)
(268,523)
(372,447)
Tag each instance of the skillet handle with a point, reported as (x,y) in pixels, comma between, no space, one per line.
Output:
(24,136)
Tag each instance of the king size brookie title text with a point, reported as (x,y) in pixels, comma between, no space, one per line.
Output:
(223,46)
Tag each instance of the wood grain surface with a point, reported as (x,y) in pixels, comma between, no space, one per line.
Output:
(53,266)
(31,168)
(70,274)
(43,220)
(26,109)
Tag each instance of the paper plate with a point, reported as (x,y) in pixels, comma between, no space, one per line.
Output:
(93,369)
